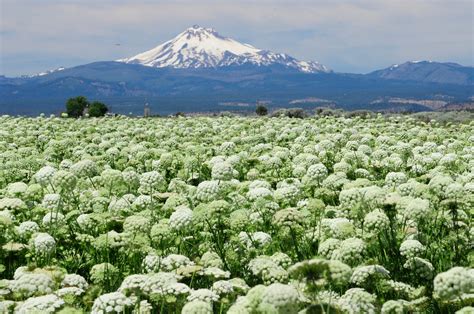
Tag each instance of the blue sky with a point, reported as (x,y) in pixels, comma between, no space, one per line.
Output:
(348,36)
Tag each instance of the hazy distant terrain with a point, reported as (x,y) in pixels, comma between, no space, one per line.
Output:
(199,70)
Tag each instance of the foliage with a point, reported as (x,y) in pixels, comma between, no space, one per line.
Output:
(97,109)
(234,214)
(290,113)
(261,110)
(76,106)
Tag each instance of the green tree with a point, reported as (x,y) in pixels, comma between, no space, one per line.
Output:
(97,109)
(261,110)
(75,106)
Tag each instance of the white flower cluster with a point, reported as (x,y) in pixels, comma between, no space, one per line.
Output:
(351,251)
(132,283)
(137,224)
(257,239)
(411,248)
(42,243)
(53,218)
(357,300)
(181,218)
(13,204)
(51,201)
(205,295)
(163,214)
(157,283)
(174,261)
(363,274)
(197,307)
(114,302)
(64,180)
(268,270)
(27,228)
(376,221)
(454,285)
(222,287)
(44,304)
(151,263)
(30,284)
(74,280)
(207,190)
(45,175)
(151,181)
(222,171)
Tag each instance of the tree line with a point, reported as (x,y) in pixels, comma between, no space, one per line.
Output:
(79,106)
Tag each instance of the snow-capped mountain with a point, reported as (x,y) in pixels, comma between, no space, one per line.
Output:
(199,47)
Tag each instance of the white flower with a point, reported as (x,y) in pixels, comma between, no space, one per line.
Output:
(350,198)
(222,171)
(157,283)
(64,180)
(176,289)
(351,251)
(328,246)
(137,224)
(74,280)
(84,168)
(45,175)
(75,291)
(43,243)
(205,295)
(395,307)
(197,307)
(52,218)
(376,221)
(27,228)
(32,284)
(44,304)
(132,283)
(394,179)
(151,263)
(279,298)
(85,221)
(222,287)
(417,209)
(115,302)
(421,267)
(317,172)
(258,239)
(362,274)
(174,261)
(259,192)
(181,218)
(411,248)
(151,181)
(13,204)
(207,191)
(16,189)
(357,300)
(454,284)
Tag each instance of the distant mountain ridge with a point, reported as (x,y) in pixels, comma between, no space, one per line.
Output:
(199,69)
(428,71)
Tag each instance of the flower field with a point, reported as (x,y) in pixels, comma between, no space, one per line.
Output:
(236,215)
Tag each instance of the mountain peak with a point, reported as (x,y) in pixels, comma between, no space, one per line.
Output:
(199,47)
(198,29)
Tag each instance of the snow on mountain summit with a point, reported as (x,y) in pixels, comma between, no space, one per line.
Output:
(199,47)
